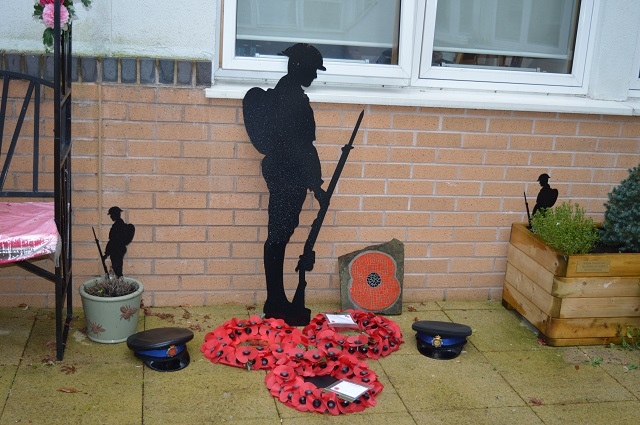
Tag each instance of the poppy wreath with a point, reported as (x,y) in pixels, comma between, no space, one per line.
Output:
(287,381)
(375,337)
(252,343)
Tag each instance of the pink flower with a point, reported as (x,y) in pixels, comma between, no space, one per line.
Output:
(45,2)
(48,15)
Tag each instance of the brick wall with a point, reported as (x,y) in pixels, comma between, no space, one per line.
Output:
(448,183)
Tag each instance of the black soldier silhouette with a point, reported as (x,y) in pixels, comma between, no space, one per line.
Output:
(281,125)
(120,235)
(547,196)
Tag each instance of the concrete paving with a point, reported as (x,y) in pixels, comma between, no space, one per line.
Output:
(503,376)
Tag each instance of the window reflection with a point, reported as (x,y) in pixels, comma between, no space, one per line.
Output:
(363,31)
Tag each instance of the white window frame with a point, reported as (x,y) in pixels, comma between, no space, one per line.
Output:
(634,86)
(414,82)
(508,80)
(271,67)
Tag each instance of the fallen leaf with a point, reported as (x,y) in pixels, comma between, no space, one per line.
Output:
(577,366)
(186,314)
(67,390)
(535,401)
(415,319)
(149,312)
(68,369)
(23,306)
(49,360)
(541,341)
(411,308)
(250,307)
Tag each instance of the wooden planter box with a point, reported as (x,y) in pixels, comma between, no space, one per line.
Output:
(582,299)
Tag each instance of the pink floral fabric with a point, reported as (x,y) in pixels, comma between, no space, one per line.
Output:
(48,14)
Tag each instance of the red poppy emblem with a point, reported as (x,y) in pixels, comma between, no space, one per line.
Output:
(172,351)
(374,286)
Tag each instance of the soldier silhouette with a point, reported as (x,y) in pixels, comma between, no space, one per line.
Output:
(547,196)
(120,235)
(281,125)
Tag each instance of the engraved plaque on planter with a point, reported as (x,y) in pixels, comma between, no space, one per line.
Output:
(593,266)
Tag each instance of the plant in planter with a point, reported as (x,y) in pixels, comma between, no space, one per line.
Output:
(571,295)
(566,228)
(110,286)
(621,226)
(112,307)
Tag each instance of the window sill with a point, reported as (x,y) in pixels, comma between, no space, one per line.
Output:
(443,98)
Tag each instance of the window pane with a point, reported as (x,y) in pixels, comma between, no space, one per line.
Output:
(350,30)
(525,35)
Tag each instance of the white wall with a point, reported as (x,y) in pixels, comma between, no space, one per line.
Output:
(147,28)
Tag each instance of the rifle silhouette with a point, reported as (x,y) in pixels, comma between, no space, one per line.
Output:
(308,257)
(104,265)
(527,205)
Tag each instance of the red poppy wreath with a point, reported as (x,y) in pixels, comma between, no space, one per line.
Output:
(294,382)
(253,343)
(375,337)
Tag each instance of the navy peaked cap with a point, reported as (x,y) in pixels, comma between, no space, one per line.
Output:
(440,340)
(162,349)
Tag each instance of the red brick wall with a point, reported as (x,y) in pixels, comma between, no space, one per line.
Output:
(448,183)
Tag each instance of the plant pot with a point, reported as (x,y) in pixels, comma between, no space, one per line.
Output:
(111,319)
(581,299)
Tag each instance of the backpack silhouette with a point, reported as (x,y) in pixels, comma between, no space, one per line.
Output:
(257,111)
(554,195)
(131,231)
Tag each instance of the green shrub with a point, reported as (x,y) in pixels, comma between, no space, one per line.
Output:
(566,228)
(621,226)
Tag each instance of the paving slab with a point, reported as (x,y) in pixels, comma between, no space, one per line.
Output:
(544,376)
(79,350)
(621,364)
(7,376)
(409,308)
(625,412)
(15,328)
(465,382)
(368,417)
(98,393)
(41,346)
(496,329)
(469,305)
(388,401)
(487,416)
(205,392)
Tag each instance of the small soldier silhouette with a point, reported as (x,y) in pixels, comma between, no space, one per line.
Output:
(120,235)
(547,196)
(281,125)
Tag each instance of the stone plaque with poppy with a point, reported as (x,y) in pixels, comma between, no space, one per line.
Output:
(371,278)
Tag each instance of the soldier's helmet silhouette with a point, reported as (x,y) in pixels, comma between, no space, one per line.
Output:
(543,178)
(305,55)
(114,211)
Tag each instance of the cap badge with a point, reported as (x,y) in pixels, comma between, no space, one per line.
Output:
(172,351)
(437,341)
